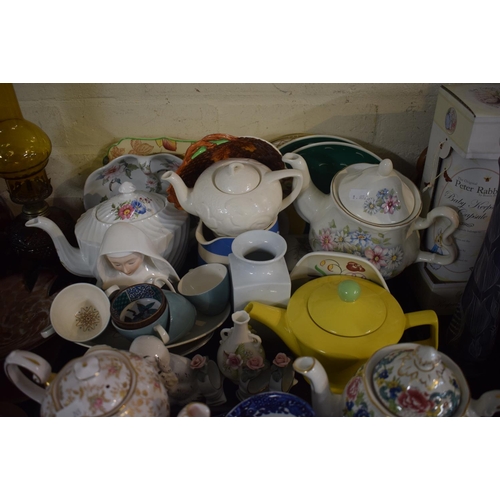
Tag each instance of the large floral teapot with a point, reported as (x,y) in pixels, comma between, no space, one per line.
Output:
(159,220)
(236,195)
(105,382)
(372,211)
(404,380)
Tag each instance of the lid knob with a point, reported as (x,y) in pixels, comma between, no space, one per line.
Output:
(237,177)
(126,188)
(385,167)
(349,291)
(426,358)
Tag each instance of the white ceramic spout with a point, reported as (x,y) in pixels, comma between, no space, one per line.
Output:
(71,258)
(182,192)
(311,199)
(324,403)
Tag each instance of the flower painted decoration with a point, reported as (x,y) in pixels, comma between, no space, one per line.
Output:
(131,209)
(386,201)
(415,383)
(376,248)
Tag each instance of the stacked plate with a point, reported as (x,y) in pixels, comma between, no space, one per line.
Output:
(325,155)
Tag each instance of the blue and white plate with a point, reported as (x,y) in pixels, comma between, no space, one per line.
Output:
(272,404)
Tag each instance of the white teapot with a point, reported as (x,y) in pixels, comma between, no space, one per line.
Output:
(372,211)
(401,380)
(235,195)
(161,222)
(105,382)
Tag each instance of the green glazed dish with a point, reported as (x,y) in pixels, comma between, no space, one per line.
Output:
(325,159)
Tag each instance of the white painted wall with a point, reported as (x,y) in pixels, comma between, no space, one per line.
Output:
(82,120)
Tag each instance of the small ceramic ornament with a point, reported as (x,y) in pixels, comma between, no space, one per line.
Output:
(185,379)
(128,256)
(240,356)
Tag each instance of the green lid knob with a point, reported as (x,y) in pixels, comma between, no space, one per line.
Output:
(349,290)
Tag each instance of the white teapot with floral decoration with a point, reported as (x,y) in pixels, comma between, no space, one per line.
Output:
(150,212)
(372,211)
(402,380)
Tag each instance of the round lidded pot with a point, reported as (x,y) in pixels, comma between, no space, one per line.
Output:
(105,382)
(372,211)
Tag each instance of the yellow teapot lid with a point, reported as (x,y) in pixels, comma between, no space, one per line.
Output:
(347,315)
(347,308)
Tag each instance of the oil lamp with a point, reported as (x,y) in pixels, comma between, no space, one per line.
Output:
(24,153)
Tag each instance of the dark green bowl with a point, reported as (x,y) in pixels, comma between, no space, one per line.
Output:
(325,159)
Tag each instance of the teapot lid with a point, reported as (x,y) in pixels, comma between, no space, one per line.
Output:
(347,308)
(416,383)
(325,322)
(236,176)
(130,205)
(95,385)
(375,194)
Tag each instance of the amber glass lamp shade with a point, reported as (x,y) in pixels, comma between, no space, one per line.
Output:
(24,153)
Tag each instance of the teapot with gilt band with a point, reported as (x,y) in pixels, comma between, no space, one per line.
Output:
(372,211)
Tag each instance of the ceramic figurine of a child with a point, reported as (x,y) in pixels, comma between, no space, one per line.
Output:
(128,256)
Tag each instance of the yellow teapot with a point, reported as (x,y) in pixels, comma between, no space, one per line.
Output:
(341,321)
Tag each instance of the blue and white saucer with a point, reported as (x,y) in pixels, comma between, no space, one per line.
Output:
(272,404)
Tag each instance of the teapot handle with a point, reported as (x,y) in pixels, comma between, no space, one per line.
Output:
(448,242)
(282,174)
(40,369)
(427,317)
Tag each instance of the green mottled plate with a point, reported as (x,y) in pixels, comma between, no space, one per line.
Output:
(299,142)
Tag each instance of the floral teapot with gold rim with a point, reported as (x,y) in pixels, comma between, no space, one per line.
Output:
(403,380)
(372,211)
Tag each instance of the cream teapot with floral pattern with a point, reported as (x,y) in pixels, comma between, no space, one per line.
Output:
(372,211)
(401,380)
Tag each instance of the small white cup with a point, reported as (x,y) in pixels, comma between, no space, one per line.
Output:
(80,312)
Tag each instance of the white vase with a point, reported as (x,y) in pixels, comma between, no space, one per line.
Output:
(240,350)
(258,269)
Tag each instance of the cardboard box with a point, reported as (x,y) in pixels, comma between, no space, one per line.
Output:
(461,171)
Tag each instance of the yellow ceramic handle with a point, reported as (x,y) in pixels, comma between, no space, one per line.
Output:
(427,317)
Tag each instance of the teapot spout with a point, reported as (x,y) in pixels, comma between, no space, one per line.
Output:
(325,404)
(275,319)
(71,258)
(310,199)
(182,192)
